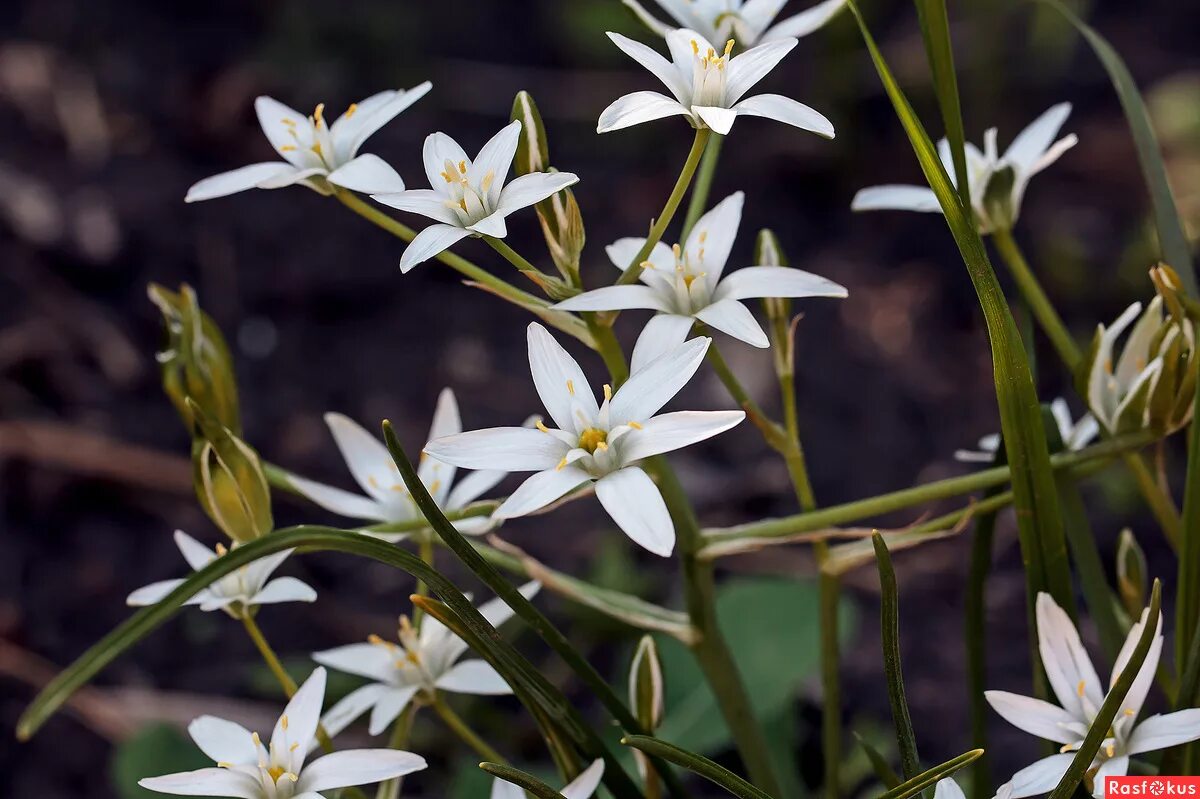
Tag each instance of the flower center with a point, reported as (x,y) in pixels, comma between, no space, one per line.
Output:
(593,439)
(708,75)
(276,772)
(467,201)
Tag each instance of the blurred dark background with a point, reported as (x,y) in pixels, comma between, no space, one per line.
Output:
(113,109)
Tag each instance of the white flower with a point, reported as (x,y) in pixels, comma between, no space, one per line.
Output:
(234,593)
(600,443)
(424,660)
(470,197)
(1080,694)
(316,154)
(685,284)
(248,769)
(582,787)
(1031,152)
(949,789)
(748,21)
(1075,435)
(386,498)
(708,87)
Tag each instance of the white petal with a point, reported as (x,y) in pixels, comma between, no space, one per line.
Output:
(351,706)
(634,503)
(622,252)
(750,67)
(718,118)
(196,554)
(1068,667)
(1113,767)
(730,316)
(1136,696)
(947,788)
(367,458)
(1040,777)
(583,786)
(473,486)
(426,202)
(302,714)
(1051,155)
(431,242)
(259,571)
(277,121)
(896,198)
(370,117)
(511,449)
(658,66)
(284,589)
(788,111)
(559,381)
(286,179)
(440,148)
(672,431)
(446,422)
(615,298)
(1032,142)
(492,225)
(247,177)
(540,490)
(474,677)
(496,157)
(368,174)
(357,767)
(1161,732)
(206,782)
(663,333)
(335,500)
(366,660)
(653,386)
(683,44)
(390,704)
(806,21)
(636,108)
(530,189)
(223,741)
(650,22)
(1034,716)
(497,611)
(775,281)
(506,790)
(714,234)
(152,594)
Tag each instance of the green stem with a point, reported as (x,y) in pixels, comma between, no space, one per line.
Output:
(634,270)
(285,680)
(775,435)
(468,736)
(522,264)
(401,730)
(704,179)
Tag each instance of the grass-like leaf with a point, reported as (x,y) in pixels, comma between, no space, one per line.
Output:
(697,764)
(517,777)
(935,30)
(925,779)
(889,620)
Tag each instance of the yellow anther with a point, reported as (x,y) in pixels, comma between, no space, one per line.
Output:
(398,488)
(283,722)
(434,486)
(676,250)
(294,747)
(463,203)
(405,625)
(487,180)
(1079,688)
(221,550)
(703,237)
(647,265)
(602,446)
(372,482)
(413,658)
(1130,711)
(1065,748)
(316,148)
(223,764)
(728,48)
(561,464)
(350,111)
(291,123)
(695,48)
(607,391)
(287,148)
(571,387)
(276,772)
(635,425)
(593,439)
(377,641)
(538,424)
(254,737)
(712,54)
(447,177)
(319,113)
(462,167)
(1110,750)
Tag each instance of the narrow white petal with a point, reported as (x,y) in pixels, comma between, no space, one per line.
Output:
(622,252)
(540,489)
(730,316)
(634,503)
(303,712)
(368,174)
(615,298)
(663,333)
(1113,767)
(718,118)
(343,503)
(1161,732)
(247,177)
(896,198)
(474,677)
(500,788)
(636,108)
(750,67)
(714,234)
(1136,696)
(284,589)
(1034,716)
(672,431)
(788,111)
(391,703)
(446,422)
(1068,667)
(431,242)
(223,741)
(658,66)
(775,281)
(426,202)
(285,179)
(653,386)
(492,225)
(530,189)
(367,458)
(351,706)
(496,158)
(366,660)
(511,449)
(371,117)
(1041,776)
(440,148)
(947,788)
(684,42)
(357,767)
(806,21)
(206,782)
(497,611)
(196,554)
(559,381)
(583,786)
(277,121)
(473,486)
(1031,143)
(152,594)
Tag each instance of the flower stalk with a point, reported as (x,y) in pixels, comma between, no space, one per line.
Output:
(464,731)
(273,663)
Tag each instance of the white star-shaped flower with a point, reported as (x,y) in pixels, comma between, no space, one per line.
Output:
(1075,435)
(595,443)
(748,21)
(249,769)
(1080,694)
(422,661)
(685,284)
(1031,152)
(470,198)
(316,154)
(708,85)
(386,498)
(582,787)
(235,593)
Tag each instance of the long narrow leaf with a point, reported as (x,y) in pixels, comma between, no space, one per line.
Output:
(975,608)
(935,30)
(517,777)
(879,763)
(889,620)
(1187,611)
(912,787)
(1189,687)
(697,764)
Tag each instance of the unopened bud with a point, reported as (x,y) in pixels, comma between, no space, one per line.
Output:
(230,482)
(999,210)
(646,684)
(1131,574)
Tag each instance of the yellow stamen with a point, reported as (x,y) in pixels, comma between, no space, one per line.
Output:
(1110,750)
(462,167)
(538,424)
(371,481)
(487,180)
(635,425)
(221,550)
(676,250)
(276,772)
(294,747)
(571,387)
(254,737)
(703,236)
(561,464)
(283,722)
(1065,748)
(316,148)
(593,439)
(602,446)
(607,391)
(695,48)
(434,486)
(377,641)
(1130,712)
(291,123)
(728,48)
(223,764)
(447,177)
(398,488)
(319,113)
(647,265)
(350,111)
(287,148)
(1079,688)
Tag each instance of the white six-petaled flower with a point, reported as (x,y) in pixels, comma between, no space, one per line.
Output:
(708,86)
(1080,694)
(386,498)
(601,443)
(1033,150)
(685,283)
(235,593)
(470,198)
(249,769)
(747,21)
(582,787)
(1074,435)
(424,660)
(317,154)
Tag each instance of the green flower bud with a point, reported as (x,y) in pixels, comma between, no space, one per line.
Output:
(1131,574)
(999,210)
(229,478)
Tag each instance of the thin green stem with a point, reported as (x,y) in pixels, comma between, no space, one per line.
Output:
(512,256)
(704,179)
(775,435)
(401,730)
(285,680)
(464,732)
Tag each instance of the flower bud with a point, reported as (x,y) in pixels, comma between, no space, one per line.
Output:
(229,478)
(769,252)
(1131,574)
(196,364)
(999,211)
(646,684)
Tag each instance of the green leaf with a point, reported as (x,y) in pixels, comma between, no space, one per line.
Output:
(697,764)
(517,777)
(930,777)
(156,749)
(935,30)
(879,763)
(1172,240)
(889,620)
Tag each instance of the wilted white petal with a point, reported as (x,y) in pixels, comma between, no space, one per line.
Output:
(788,111)
(431,242)
(635,504)
(638,107)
